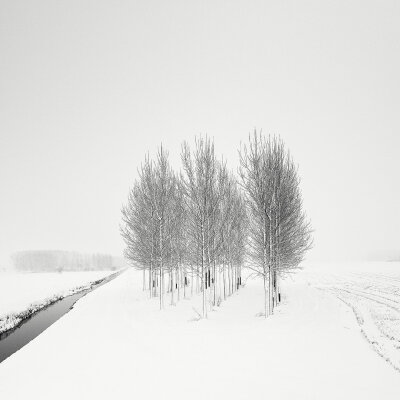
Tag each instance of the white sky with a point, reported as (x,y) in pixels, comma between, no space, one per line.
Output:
(87,87)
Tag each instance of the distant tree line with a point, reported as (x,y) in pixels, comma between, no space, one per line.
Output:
(194,230)
(58,261)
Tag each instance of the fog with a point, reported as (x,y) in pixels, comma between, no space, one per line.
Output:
(88,87)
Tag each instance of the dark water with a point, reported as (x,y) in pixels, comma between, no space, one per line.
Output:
(13,340)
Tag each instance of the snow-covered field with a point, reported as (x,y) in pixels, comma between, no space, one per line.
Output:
(27,292)
(372,292)
(115,343)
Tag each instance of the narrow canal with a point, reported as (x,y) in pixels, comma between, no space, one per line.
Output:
(11,341)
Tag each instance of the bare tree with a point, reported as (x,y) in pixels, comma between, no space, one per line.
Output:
(199,181)
(279,232)
(161,186)
(232,231)
(256,180)
(138,228)
(148,218)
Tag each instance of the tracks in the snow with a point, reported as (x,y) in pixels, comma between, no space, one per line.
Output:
(375,301)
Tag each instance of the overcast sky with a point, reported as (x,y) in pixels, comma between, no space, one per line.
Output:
(88,87)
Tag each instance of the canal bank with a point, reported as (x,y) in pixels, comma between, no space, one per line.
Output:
(35,321)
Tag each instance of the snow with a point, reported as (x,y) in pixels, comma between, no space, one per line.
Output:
(115,343)
(372,292)
(22,294)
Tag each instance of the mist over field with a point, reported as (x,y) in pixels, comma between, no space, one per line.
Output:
(88,90)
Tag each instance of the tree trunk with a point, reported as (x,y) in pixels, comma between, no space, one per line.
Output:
(224,278)
(229,280)
(265,296)
(270,264)
(265,268)
(151,279)
(161,289)
(214,284)
(203,272)
(178,281)
(172,287)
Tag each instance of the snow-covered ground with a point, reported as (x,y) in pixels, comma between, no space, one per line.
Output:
(372,292)
(115,343)
(22,293)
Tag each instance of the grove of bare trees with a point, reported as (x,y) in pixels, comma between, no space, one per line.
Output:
(194,231)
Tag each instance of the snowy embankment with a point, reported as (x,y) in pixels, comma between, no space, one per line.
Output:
(23,294)
(125,347)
